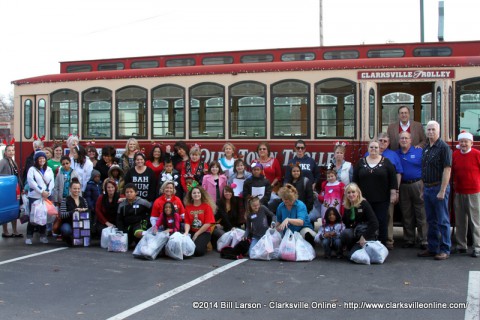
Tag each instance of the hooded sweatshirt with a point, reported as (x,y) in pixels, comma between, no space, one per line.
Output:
(93,190)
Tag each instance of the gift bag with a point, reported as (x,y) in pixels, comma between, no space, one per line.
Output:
(106,232)
(303,250)
(150,245)
(360,256)
(179,246)
(118,242)
(376,251)
(38,213)
(267,248)
(287,247)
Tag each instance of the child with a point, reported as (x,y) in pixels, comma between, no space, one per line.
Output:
(170,174)
(239,173)
(329,233)
(93,191)
(169,220)
(195,166)
(331,195)
(133,213)
(257,185)
(257,221)
(63,180)
(116,173)
(214,181)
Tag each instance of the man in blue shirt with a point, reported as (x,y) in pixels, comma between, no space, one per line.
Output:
(411,189)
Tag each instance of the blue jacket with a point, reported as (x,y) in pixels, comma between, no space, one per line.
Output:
(299,211)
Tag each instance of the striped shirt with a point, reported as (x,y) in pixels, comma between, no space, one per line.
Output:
(435,158)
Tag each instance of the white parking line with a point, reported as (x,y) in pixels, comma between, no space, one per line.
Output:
(175,291)
(32,255)
(473,296)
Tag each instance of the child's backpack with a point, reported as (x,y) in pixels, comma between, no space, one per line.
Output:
(237,252)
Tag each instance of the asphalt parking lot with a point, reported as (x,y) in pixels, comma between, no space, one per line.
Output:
(53,281)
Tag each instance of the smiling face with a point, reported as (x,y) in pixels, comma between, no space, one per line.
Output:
(214,169)
(194,156)
(157,153)
(433,131)
(227,194)
(296,172)
(300,147)
(255,205)
(132,146)
(168,191)
(373,148)
(75,189)
(110,189)
(228,151)
(10,152)
(263,151)
(58,152)
(465,144)
(256,172)
(139,161)
(196,195)
(352,195)
(240,167)
(404,114)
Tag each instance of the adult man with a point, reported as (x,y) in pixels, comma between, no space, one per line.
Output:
(411,188)
(466,173)
(436,169)
(307,164)
(413,127)
(383,143)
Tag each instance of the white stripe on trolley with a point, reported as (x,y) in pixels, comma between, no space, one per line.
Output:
(473,296)
(32,255)
(175,291)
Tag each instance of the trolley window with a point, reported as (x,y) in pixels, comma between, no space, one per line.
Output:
(180,62)
(345,54)
(255,58)
(217,60)
(248,111)
(298,56)
(144,64)
(111,66)
(97,114)
(168,114)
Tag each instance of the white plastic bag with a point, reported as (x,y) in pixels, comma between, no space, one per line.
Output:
(38,213)
(376,251)
(150,245)
(303,250)
(118,242)
(25,204)
(230,238)
(179,246)
(106,232)
(360,256)
(267,248)
(287,247)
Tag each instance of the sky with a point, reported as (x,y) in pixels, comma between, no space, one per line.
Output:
(37,35)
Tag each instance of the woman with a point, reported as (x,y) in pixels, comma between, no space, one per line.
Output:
(292,213)
(92,154)
(155,161)
(228,215)
(271,166)
(8,166)
(48,152)
(82,164)
(55,162)
(127,160)
(41,184)
(303,186)
(180,155)
(108,159)
(359,218)
(227,161)
(143,178)
(343,168)
(376,177)
(168,195)
(199,218)
(107,205)
(72,204)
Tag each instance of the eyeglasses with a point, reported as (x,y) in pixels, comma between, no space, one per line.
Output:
(300,148)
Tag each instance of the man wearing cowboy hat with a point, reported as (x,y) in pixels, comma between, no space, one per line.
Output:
(466,170)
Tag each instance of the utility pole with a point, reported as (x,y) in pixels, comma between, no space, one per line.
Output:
(321,22)
(422,28)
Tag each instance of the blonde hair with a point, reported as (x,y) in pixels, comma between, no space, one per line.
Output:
(230,145)
(288,192)
(195,150)
(137,145)
(346,203)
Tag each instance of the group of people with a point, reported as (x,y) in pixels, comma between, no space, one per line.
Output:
(174,190)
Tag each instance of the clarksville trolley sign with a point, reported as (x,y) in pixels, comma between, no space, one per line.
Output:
(406,75)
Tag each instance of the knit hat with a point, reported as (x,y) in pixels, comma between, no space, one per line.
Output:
(94,174)
(39,154)
(465,135)
(257,165)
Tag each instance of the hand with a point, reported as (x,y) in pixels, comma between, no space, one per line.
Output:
(108,224)
(283,225)
(441,195)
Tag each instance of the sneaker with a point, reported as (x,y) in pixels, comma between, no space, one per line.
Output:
(28,241)
(44,239)
(442,256)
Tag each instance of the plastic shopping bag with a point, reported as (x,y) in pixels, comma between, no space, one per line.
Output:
(179,246)
(38,213)
(267,248)
(303,250)
(360,256)
(230,238)
(150,245)
(118,242)
(288,247)
(106,232)
(376,251)
(51,209)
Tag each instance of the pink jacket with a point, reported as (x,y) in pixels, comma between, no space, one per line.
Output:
(208,183)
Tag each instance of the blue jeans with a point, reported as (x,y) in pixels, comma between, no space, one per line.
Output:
(66,230)
(252,244)
(438,220)
(332,243)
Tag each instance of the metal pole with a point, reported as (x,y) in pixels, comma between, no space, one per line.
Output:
(422,29)
(321,22)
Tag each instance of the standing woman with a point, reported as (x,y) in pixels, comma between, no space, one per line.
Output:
(71,204)
(107,205)
(41,183)
(143,178)
(376,177)
(55,162)
(271,166)
(343,168)
(8,166)
(82,164)
(199,218)
(92,154)
(127,160)
(155,161)
(227,161)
